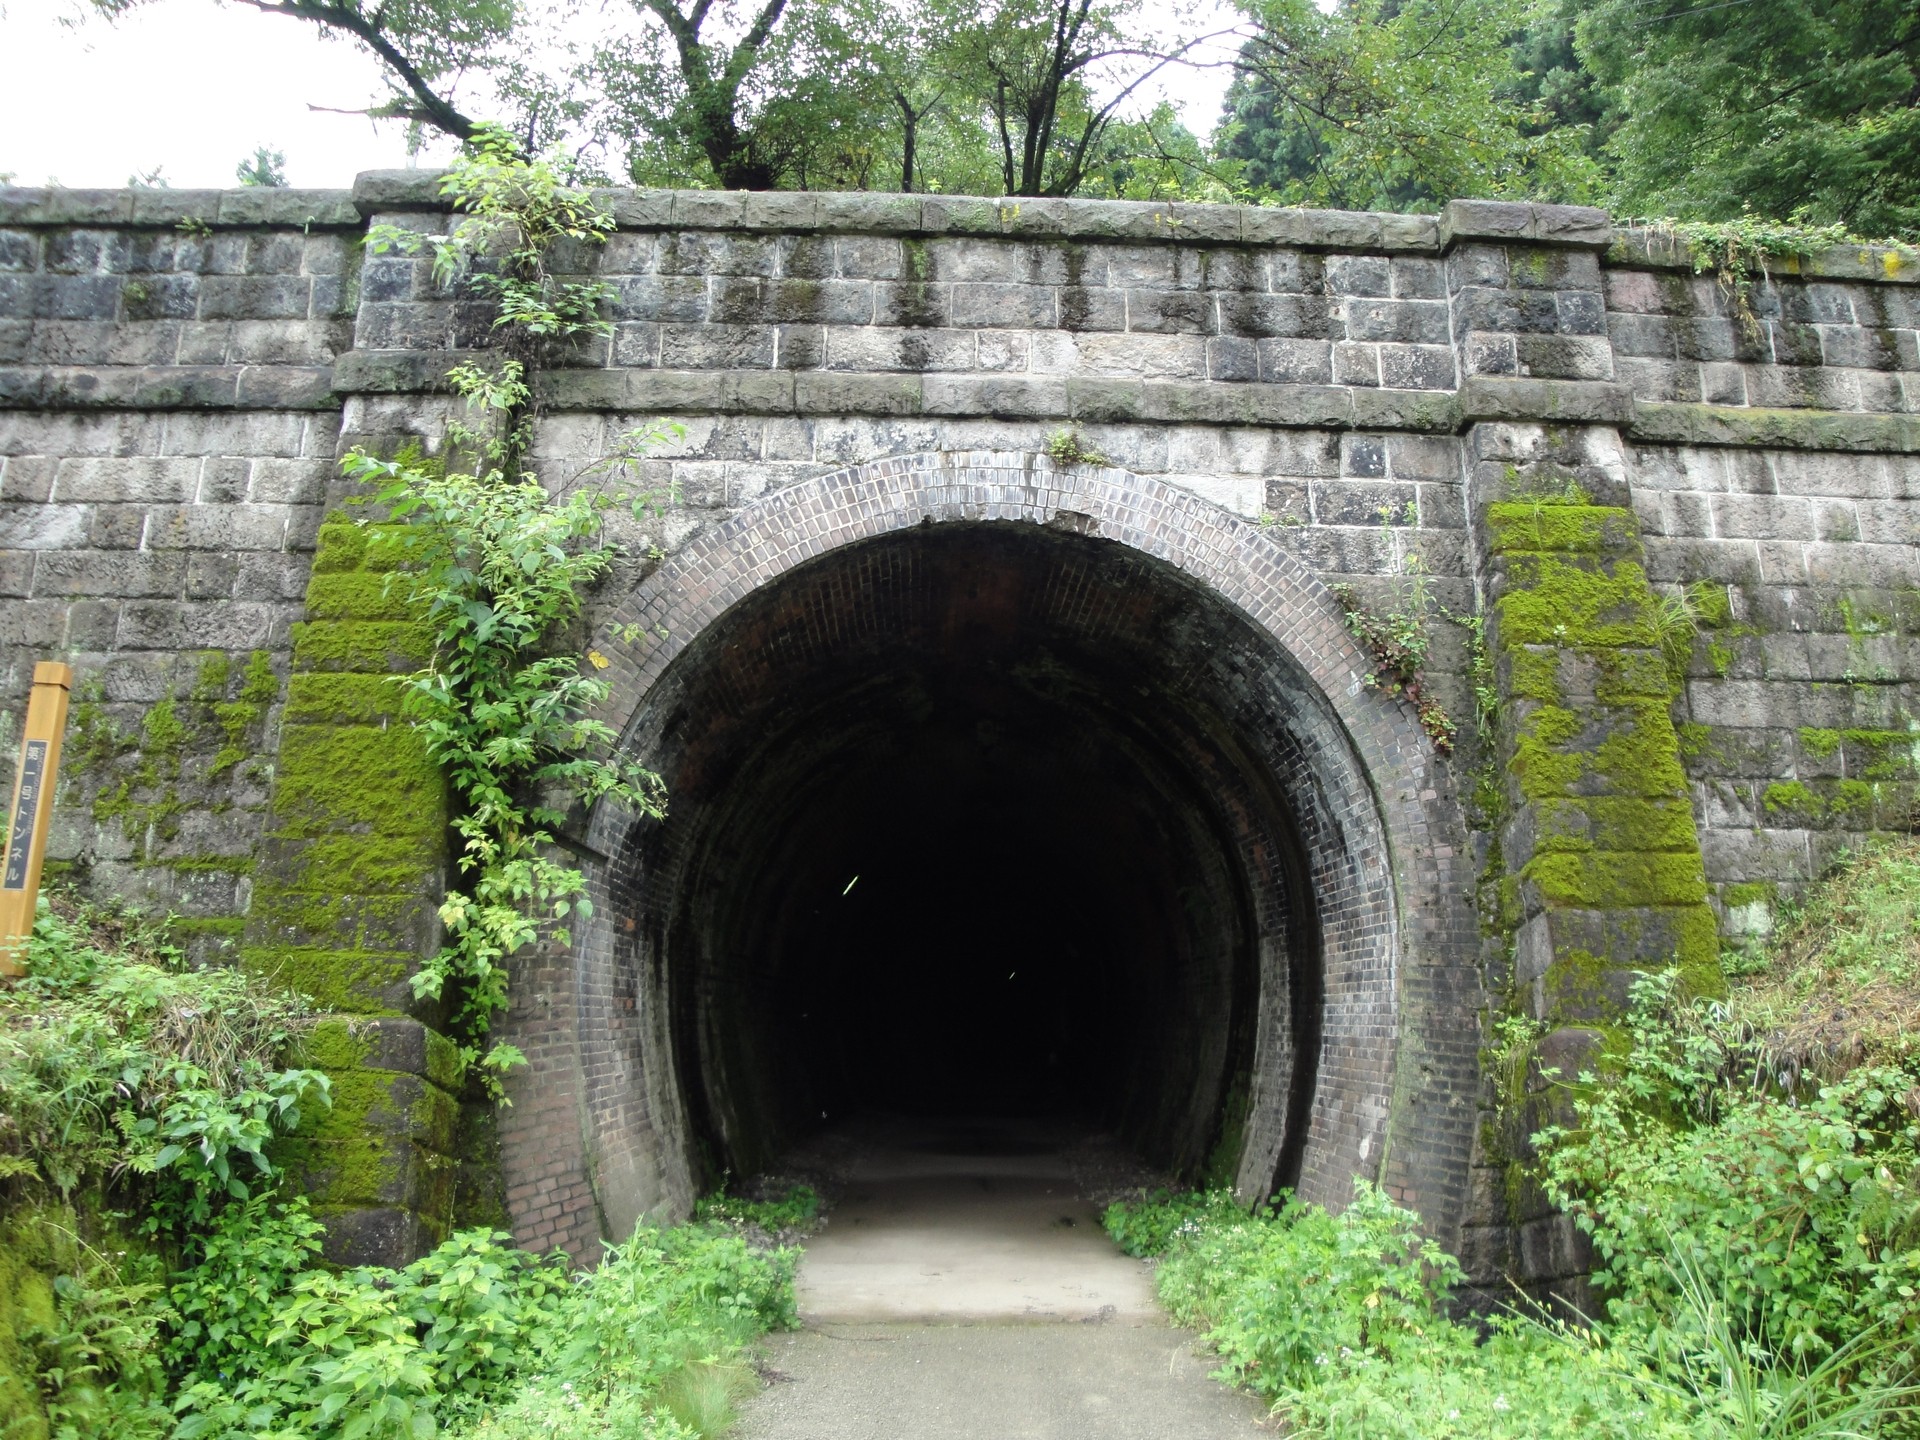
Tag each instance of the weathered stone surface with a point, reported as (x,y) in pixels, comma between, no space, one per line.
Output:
(1368,388)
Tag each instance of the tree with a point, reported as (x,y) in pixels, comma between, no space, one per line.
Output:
(1027,98)
(705,89)
(1793,108)
(1385,105)
(265,168)
(424,46)
(1038,61)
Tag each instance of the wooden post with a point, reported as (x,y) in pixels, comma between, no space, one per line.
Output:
(32,807)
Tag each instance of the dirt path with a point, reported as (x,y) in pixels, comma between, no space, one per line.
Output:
(963,1290)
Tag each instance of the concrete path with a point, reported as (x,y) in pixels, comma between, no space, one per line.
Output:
(962,1289)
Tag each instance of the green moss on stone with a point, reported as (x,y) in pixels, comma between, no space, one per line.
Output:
(337,777)
(369,645)
(358,595)
(342,698)
(1519,527)
(1577,603)
(1602,880)
(345,907)
(349,981)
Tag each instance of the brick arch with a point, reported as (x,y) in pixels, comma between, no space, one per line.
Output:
(1397,1060)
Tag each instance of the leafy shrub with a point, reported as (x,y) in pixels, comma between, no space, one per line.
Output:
(1340,1323)
(1286,1293)
(130,1063)
(1799,1212)
(1145,1228)
(478,1334)
(224,1302)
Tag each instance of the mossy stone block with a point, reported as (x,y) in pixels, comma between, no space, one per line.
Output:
(343,699)
(359,595)
(354,982)
(378,647)
(341,777)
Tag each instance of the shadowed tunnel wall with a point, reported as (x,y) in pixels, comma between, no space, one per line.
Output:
(996,787)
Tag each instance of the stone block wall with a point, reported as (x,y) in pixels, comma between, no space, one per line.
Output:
(181,371)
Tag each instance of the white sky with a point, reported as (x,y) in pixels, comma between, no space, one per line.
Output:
(192,86)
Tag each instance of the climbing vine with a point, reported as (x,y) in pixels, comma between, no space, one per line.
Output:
(1737,252)
(499,569)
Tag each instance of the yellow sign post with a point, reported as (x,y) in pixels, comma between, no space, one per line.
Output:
(32,807)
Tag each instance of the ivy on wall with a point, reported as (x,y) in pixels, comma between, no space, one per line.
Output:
(497,570)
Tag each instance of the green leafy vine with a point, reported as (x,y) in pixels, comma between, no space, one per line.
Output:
(1737,252)
(499,569)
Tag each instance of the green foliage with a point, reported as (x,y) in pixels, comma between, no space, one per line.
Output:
(224,1300)
(496,568)
(1285,1295)
(265,168)
(1734,1389)
(223,1324)
(1068,447)
(513,211)
(1398,634)
(796,1209)
(480,1338)
(1340,1323)
(94,1363)
(1852,947)
(1796,1209)
(1798,110)
(1371,105)
(1756,1218)
(1148,1227)
(114,1062)
(1746,248)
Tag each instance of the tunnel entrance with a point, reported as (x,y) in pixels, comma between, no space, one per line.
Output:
(1000,786)
(985,820)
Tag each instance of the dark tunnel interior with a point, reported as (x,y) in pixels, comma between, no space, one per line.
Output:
(961,828)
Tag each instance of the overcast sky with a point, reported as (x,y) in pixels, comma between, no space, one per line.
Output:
(192,86)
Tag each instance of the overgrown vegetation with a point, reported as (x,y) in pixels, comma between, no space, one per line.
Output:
(498,568)
(164,1281)
(1751,1183)
(120,1063)
(1748,249)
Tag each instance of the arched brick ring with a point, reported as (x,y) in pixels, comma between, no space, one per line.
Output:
(1398,1054)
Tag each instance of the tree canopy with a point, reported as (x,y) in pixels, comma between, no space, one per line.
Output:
(1796,110)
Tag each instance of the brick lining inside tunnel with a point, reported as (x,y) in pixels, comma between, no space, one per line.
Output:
(1128,731)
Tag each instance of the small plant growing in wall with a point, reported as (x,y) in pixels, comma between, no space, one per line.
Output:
(1069,447)
(1398,635)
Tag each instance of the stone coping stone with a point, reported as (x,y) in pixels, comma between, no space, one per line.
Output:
(1642,248)
(167,387)
(870,212)
(1682,423)
(251,207)
(1094,400)
(1090,399)
(1596,402)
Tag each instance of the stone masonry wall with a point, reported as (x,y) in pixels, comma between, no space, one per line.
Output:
(180,372)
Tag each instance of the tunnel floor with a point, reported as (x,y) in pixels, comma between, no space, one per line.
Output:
(969,1218)
(962,1287)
